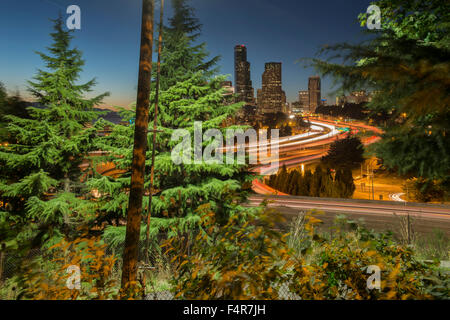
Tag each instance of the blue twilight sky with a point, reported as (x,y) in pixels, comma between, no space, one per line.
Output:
(273,30)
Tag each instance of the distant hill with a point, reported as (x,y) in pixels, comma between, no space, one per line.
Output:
(111,116)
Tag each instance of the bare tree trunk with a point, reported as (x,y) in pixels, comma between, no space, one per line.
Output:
(152,170)
(131,250)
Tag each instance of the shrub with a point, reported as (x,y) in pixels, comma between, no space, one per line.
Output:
(47,277)
(252,260)
(242,260)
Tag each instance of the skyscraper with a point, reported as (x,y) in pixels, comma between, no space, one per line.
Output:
(272,96)
(314,93)
(303,99)
(242,79)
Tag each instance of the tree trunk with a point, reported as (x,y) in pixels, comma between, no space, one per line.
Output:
(131,250)
(152,169)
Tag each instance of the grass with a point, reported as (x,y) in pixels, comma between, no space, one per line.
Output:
(434,246)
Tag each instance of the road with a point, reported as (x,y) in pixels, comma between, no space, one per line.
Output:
(378,215)
(302,150)
(309,147)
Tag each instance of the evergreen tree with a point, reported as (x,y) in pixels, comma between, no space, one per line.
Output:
(302,185)
(180,56)
(305,190)
(272,179)
(348,182)
(181,188)
(3,95)
(346,152)
(10,105)
(3,98)
(317,182)
(293,182)
(189,93)
(339,186)
(407,65)
(40,172)
(327,184)
(280,182)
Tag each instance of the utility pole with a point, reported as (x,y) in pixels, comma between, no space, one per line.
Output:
(131,250)
(368,179)
(152,170)
(373,191)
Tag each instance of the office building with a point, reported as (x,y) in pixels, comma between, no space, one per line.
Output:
(242,79)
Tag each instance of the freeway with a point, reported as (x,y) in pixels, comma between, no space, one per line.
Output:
(380,215)
(299,145)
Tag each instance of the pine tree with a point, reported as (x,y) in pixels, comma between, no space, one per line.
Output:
(280,182)
(181,57)
(40,172)
(339,186)
(406,64)
(317,182)
(346,152)
(327,184)
(293,182)
(188,93)
(347,179)
(306,190)
(181,188)
(272,179)
(302,188)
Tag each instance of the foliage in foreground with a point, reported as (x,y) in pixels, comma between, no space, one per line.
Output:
(50,277)
(246,260)
(252,261)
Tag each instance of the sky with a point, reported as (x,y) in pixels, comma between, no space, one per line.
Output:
(272,30)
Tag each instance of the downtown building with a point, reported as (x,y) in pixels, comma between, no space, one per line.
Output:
(271,98)
(242,79)
(314,90)
(355,97)
(303,99)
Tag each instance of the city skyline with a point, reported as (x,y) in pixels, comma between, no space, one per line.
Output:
(292,34)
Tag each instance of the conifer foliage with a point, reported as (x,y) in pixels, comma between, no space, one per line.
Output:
(407,65)
(321,183)
(40,172)
(181,57)
(188,94)
(346,152)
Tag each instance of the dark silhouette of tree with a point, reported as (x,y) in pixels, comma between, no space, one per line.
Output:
(280,182)
(285,130)
(317,182)
(346,152)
